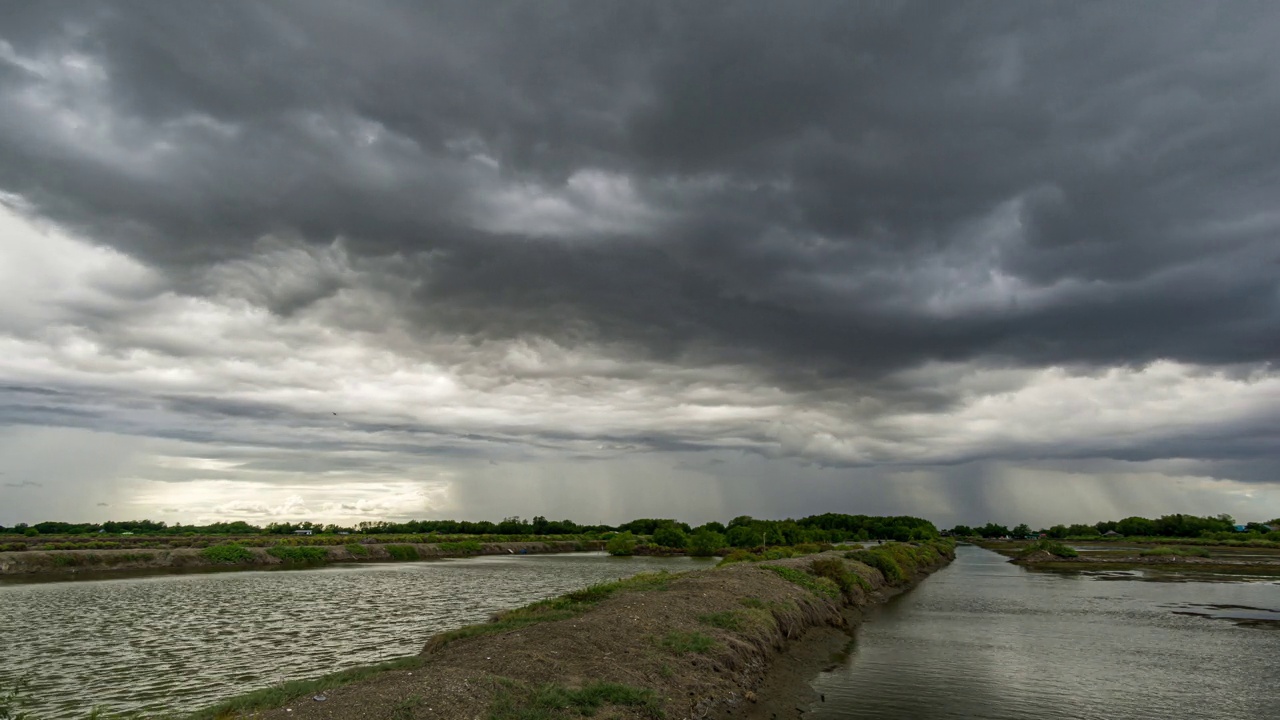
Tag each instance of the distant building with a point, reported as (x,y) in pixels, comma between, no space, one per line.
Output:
(1241,528)
(1111,533)
(301,532)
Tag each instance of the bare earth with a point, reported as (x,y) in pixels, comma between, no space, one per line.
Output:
(621,640)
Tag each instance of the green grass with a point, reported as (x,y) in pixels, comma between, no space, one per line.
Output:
(822,587)
(357,549)
(561,608)
(687,642)
(227,553)
(726,620)
(881,560)
(837,572)
(278,695)
(404,709)
(402,552)
(516,702)
(299,553)
(466,547)
(752,602)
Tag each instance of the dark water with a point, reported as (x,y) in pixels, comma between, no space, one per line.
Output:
(987,639)
(179,642)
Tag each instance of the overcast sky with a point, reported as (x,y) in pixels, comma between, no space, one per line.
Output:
(348,261)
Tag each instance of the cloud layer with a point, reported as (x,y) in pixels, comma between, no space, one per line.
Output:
(390,254)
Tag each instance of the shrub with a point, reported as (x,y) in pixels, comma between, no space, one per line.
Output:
(737,556)
(622,544)
(402,552)
(880,560)
(837,572)
(1052,547)
(670,537)
(705,543)
(227,553)
(466,547)
(357,549)
(299,553)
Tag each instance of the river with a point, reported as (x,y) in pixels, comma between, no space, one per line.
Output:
(986,639)
(165,643)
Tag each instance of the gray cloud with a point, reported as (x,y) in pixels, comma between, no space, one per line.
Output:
(848,235)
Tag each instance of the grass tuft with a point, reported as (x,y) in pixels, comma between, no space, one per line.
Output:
(227,553)
(299,553)
(687,642)
(516,702)
(820,586)
(402,552)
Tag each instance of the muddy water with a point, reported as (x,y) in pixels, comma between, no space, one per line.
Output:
(177,642)
(986,639)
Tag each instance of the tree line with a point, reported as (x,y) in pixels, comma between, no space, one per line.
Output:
(741,531)
(1175,525)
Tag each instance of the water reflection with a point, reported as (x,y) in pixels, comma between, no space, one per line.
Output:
(177,642)
(987,639)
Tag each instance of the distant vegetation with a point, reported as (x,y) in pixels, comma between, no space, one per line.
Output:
(305,542)
(1220,528)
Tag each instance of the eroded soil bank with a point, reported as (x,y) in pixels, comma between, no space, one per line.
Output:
(694,645)
(98,562)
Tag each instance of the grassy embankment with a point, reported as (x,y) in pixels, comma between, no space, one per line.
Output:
(1181,555)
(256,552)
(655,645)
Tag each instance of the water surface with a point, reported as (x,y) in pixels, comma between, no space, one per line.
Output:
(986,639)
(179,642)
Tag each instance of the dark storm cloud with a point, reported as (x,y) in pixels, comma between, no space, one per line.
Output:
(841,189)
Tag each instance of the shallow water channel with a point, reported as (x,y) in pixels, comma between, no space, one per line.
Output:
(986,639)
(178,642)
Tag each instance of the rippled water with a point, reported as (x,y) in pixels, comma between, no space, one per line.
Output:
(987,639)
(177,642)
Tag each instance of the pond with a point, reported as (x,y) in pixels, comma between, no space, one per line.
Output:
(179,642)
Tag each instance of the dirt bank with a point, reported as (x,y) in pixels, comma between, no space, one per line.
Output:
(699,644)
(94,562)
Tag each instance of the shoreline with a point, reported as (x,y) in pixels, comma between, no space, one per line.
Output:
(62,565)
(1187,559)
(786,689)
(706,643)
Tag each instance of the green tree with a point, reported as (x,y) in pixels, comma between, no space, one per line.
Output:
(622,544)
(706,543)
(1022,530)
(962,531)
(670,536)
(1135,525)
(991,530)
